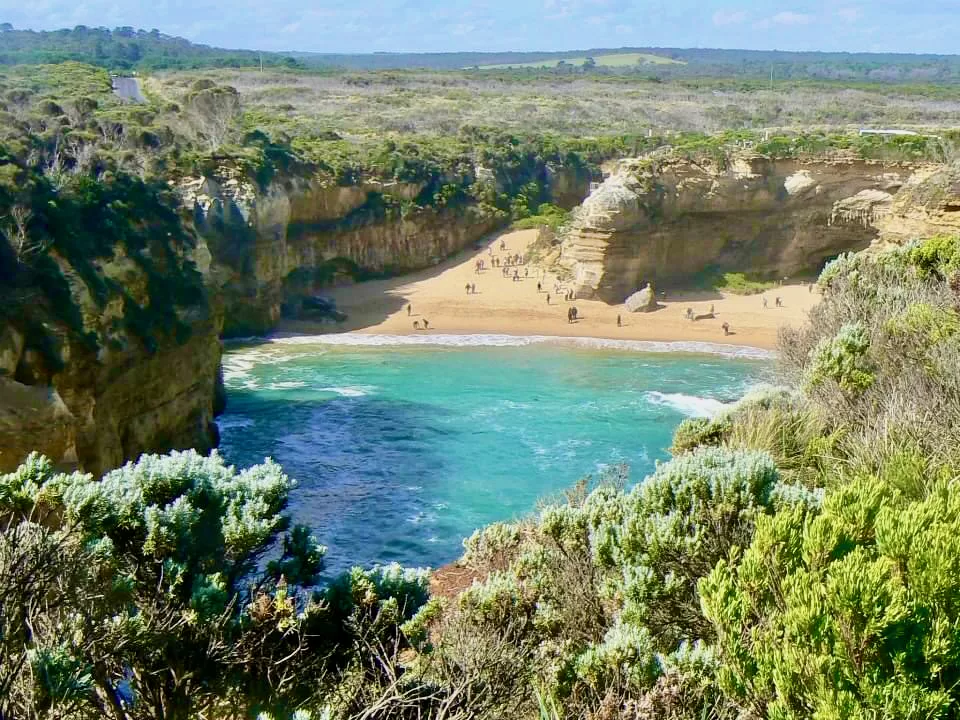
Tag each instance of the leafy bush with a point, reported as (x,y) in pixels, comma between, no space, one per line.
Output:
(843,359)
(157,599)
(846,612)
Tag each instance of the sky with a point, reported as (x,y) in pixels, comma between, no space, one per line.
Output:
(356,26)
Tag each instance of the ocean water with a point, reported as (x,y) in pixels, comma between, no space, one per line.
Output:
(403,446)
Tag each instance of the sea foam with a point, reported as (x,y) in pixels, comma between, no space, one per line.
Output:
(689,405)
(488,340)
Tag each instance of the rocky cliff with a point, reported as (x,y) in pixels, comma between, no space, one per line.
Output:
(110,334)
(104,360)
(667,219)
(298,235)
(927,205)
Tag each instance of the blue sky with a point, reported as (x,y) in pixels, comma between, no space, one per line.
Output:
(446,25)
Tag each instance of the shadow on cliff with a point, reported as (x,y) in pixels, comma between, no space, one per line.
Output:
(369,303)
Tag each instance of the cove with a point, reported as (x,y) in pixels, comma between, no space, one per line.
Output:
(403,446)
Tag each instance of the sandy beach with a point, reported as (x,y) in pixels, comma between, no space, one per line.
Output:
(503,306)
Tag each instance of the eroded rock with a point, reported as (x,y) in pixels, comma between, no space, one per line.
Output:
(666,219)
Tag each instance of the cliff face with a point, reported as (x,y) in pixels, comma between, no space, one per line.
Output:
(927,205)
(119,353)
(295,237)
(108,389)
(664,219)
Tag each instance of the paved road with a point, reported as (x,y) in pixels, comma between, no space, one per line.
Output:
(128,88)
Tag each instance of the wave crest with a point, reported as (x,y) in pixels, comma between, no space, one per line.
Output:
(490,340)
(689,405)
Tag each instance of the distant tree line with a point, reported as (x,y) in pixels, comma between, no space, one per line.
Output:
(124,48)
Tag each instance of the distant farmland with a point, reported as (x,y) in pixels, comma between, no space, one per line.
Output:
(615,60)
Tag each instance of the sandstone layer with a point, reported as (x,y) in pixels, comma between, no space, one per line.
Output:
(668,220)
(927,205)
(297,236)
(97,395)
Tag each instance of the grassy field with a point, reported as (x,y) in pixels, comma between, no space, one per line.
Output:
(616,60)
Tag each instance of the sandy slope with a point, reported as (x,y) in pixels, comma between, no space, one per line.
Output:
(503,306)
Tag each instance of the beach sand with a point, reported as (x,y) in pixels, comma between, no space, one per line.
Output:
(503,306)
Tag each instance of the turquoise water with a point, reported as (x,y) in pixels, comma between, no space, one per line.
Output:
(402,451)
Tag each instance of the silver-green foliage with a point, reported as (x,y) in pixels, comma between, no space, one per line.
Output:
(603,591)
(148,594)
(846,613)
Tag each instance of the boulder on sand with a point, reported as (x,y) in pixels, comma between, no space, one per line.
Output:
(642,301)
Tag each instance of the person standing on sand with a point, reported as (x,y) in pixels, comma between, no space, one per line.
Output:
(764,303)
(548,298)
(409,309)
(468,288)
(726,328)
(619,322)
(426,324)
(473,288)
(539,287)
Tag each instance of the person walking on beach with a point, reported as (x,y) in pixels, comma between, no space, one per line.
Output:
(548,298)
(539,287)
(764,303)
(619,322)
(779,302)
(426,324)
(726,328)
(468,288)
(473,288)
(409,309)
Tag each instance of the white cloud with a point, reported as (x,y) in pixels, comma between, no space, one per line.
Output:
(788,17)
(850,14)
(729,17)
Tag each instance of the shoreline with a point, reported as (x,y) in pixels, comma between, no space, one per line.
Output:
(499,305)
(488,340)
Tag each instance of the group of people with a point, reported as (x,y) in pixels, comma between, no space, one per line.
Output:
(692,316)
(471,288)
(778,302)
(417,323)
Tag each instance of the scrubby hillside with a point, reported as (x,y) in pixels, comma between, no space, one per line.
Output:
(796,559)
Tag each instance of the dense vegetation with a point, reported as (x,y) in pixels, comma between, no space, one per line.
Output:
(126,48)
(123,49)
(796,559)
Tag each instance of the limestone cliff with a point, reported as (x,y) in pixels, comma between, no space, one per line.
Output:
(666,219)
(298,235)
(123,374)
(927,205)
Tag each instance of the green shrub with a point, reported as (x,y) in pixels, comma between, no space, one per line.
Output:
(843,359)
(848,612)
